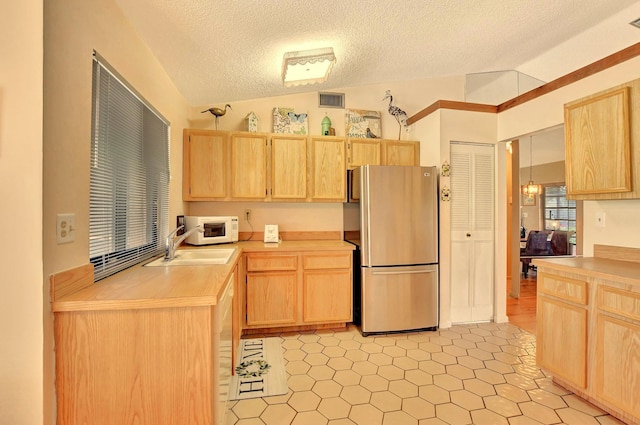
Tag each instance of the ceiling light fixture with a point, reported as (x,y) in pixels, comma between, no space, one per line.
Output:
(531,189)
(307,66)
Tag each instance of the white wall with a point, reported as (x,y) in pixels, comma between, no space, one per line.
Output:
(21,292)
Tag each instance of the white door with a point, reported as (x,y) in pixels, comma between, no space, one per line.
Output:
(472,232)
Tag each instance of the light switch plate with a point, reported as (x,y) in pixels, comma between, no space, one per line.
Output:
(271,233)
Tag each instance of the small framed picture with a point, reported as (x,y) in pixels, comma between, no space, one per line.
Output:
(529,200)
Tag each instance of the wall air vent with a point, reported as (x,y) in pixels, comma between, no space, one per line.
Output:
(330,100)
(636,23)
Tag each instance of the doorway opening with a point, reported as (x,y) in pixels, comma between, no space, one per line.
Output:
(538,156)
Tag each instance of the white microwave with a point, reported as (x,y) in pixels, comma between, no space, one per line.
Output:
(222,229)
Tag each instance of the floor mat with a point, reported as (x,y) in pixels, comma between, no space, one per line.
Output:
(261,371)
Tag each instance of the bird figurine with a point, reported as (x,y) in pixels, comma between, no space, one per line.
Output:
(370,134)
(398,114)
(218,112)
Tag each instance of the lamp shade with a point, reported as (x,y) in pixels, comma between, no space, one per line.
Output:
(307,66)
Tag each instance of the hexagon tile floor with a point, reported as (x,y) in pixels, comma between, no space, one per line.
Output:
(482,374)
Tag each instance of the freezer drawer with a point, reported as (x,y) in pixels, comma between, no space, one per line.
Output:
(399,298)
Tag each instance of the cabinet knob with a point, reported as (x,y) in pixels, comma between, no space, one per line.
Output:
(468,235)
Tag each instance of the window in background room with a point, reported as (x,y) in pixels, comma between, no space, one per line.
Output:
(129,194)
(559,212)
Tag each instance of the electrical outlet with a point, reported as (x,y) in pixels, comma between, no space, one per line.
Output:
(65,228)
(247,215)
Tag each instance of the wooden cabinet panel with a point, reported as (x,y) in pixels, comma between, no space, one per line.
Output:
(602,144)
(205,164)
(288,167)
(270,262)
(328,169)
(337,260)
(597,143)
(248,166)
(112,366)
(364,152)
(298,289)
(562,340)
(617,358)
(563,287)
(327,296)
(401,153)
(272,298)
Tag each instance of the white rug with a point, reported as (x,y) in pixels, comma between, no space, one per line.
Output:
(260,371)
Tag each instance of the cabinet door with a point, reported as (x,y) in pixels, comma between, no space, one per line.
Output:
(327,296)
(248,165)
(618,349)
(597,144)
(271,298)
(562,340)
(328,169)
(364,152)
(205,159)
(401,153)
(288,167)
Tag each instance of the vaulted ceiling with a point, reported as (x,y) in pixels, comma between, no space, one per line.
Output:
(223,51)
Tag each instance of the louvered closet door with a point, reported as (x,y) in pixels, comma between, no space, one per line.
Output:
(472,232)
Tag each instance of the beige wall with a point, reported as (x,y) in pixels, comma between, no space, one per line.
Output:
(411,97)
(72,30)
(552,172)
(547,111)
(21,380)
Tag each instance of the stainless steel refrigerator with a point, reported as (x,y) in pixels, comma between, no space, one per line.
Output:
(398,239)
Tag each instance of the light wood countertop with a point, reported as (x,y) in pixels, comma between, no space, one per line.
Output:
(142,287)
(626,272)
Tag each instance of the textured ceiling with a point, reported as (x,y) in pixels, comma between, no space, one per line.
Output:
(223,51)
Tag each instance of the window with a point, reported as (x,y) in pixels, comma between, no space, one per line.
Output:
(129,201)
(559,212)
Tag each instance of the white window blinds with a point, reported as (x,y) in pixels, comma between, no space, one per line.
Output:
(129,201)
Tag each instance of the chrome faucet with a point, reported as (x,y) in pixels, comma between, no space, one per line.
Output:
(172,242)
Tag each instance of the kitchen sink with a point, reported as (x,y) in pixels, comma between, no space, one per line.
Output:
(195,257)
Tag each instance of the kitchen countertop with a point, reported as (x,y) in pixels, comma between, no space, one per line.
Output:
(141,287)
(626,272)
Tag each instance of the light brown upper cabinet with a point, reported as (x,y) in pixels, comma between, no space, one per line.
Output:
(288,167)
(327,169)
(205,160)
(248,166)
(382,152)
(398,152)
(364,152)
(602,144)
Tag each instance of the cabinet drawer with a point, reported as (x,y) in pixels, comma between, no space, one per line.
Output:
(271,262)
(620,302)
(338,260)
(563,287)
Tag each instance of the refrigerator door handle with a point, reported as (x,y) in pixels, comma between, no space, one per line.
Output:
(405,272)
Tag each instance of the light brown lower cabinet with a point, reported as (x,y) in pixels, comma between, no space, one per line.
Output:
(161,366)
(298,288)
(562,327)
(617,362)
(588,338)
